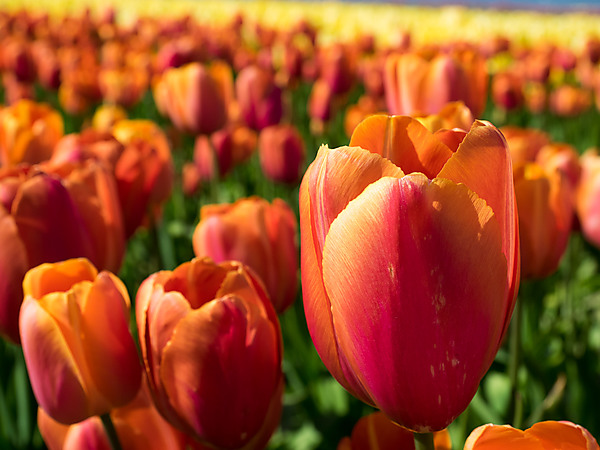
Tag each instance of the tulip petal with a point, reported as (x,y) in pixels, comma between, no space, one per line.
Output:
(325,192)
(404,141)
(408,249)
(562,435)
(500,437)
(58,277)
(221,381)
(13,266)
(55,378)
(482,162)
(110,352)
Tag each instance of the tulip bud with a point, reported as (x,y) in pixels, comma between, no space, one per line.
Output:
(282,153)
(259,97)
(212,351)
(259,234)
(74,326)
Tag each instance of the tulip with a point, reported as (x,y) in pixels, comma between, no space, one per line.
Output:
(377,432)
(124,86)
(259,97)
(570,101)
(524,143)
(106,116)
(407,300)
(49,218)
(541,436)
(212,351)
(260,235)
(138,424)
(587,201)
(79,352)
(414,84)
(144,172)
(193,97)
(282,153)
(355,114)
(507,91)
(546,211)
(28,132)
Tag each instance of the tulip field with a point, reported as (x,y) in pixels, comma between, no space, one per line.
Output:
(295,225)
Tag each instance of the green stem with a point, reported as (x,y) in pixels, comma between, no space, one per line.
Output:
(424,441)
(111,432)
(513,365)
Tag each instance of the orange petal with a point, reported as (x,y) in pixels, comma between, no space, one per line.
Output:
(482,162)
(404,141)
(55,378)
(110,352)
(57,277)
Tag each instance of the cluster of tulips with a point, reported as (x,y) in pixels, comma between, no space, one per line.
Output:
(413,238)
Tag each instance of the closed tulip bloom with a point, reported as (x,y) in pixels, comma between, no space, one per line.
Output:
(259,234)
(407,300)
(259,98)
(106,116)
(507,90)
(417,85)
(587,202)
(377,432)
(193,98)
(122,86)
(80,355)
(28,132)
(282,153)
(541,436)
(546,211)
(212,350)
(570,101)
(144,172)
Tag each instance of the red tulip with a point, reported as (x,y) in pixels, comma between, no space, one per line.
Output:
(259,97)
(212,350)
(587,197)
(406,300)
(282,153)
(80,354)
(259,234)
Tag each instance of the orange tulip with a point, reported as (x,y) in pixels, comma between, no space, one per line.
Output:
(193,97)
(524,143)
(259,234)
(546,211)
(28,132)
(282,153)
(377,432)
(406,300)
(587,202)
(416,85)
(541,436)
(144,172)
(570,101)
(138,424)
(124,86)
(80,355)
(212,350)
